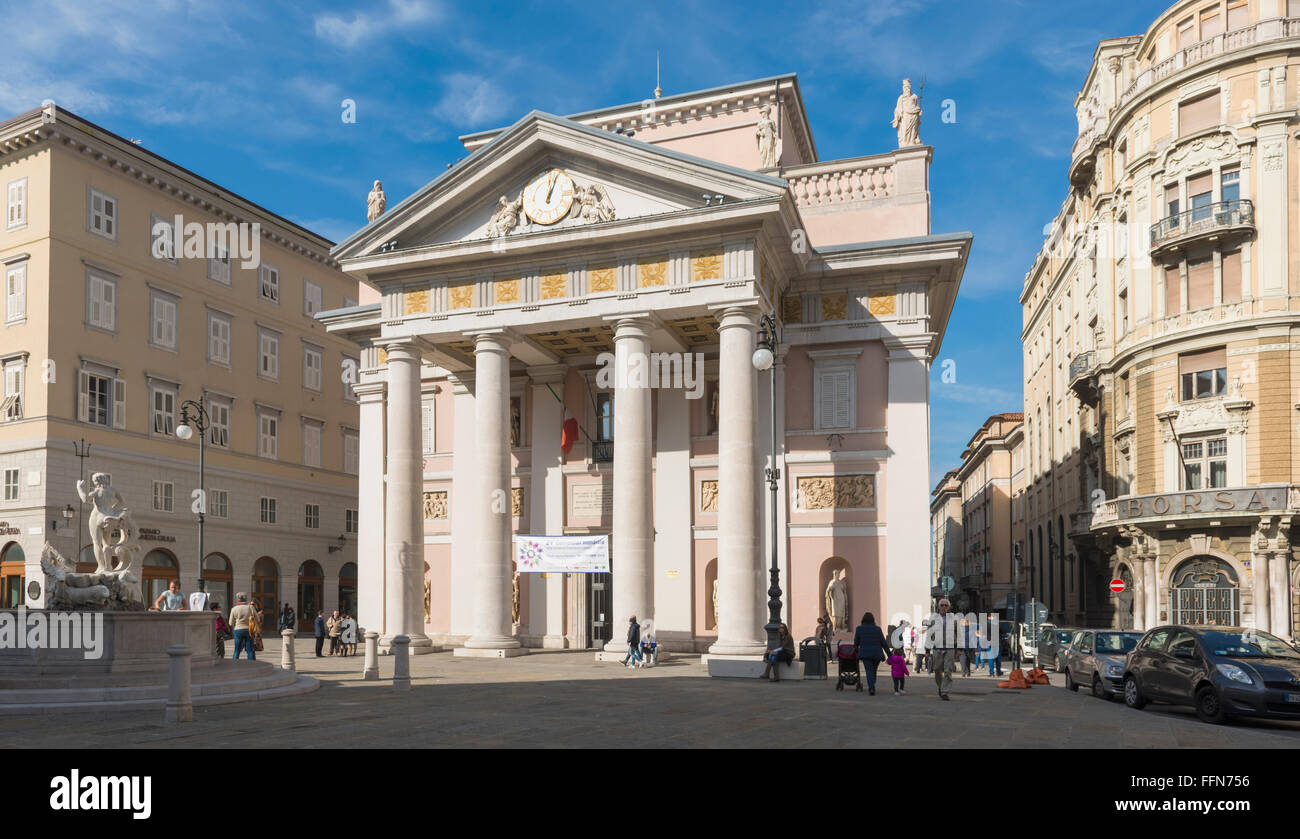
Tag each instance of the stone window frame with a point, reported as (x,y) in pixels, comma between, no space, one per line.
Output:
(830,362)
(107,217)
(18,220)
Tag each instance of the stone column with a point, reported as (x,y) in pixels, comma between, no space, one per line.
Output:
(1280,593)
(404,515)
(906,493)
(370,505)
(286,648)
(464,487)
(546,507)
(370,672)
(493,590)
(1149,565)
(740,568)
(1260,560)
(180,703)
(1139,592)
(633,537)
(401,663)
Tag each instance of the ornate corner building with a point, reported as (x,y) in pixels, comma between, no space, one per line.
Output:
(664,230)
(1161,353)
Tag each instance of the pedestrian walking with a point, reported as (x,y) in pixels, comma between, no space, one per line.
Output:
(320,632)
(783,653)
(943,651)
(633,643)
(243,619)
(898,670)
(348,634)
(222,631)
(870,643)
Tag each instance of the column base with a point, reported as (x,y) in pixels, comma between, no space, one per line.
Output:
(738,650)
(747,667)
(420,645)
(488,652)
(554,642)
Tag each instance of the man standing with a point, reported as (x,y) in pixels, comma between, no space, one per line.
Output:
(943,650)
(320,632)
(633,642)
(335,625)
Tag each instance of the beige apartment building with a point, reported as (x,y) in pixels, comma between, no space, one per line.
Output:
(946,544)
(111,325)
(1161,360)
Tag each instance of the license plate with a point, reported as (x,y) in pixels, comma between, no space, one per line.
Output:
(1291,697)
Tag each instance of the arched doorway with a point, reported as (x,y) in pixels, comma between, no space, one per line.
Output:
(218,579)
(311,594)
(266,587)
(348,588)
(711,595)
(13,575)
(831,568)
(1204,592)
(1124,600)
(159,569)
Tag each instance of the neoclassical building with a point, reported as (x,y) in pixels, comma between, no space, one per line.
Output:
(663,227)
(1160,331)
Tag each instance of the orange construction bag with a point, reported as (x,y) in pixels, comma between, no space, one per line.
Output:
(1037,677)
(1015,680)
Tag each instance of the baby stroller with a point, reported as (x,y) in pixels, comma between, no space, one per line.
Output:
(847,656)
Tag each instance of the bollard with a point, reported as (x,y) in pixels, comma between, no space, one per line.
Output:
(286,650)
(401,662)
(180,704)
(371,672)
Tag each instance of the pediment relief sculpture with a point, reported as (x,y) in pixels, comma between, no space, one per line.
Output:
(1200,153)
(548,199)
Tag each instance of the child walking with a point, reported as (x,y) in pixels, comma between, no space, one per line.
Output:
(898,669)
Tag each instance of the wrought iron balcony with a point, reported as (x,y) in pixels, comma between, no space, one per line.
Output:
(602,451)
(1083,379)
(1210,221)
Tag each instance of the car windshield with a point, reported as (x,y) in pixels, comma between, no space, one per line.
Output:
(1249,643)
(1063,636)
(1117,642)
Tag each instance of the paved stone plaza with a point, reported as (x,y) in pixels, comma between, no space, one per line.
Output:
(566,699)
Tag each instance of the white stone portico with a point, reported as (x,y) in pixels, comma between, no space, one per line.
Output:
(491,322)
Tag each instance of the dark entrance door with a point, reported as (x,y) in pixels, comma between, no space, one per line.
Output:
(599,603)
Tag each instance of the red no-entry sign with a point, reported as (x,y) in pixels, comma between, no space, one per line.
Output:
(1117,586)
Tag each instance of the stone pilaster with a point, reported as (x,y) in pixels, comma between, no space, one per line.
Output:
(370,507)
(906,492)
(1261,558)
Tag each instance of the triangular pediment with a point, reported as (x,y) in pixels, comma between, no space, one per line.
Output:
(547,173)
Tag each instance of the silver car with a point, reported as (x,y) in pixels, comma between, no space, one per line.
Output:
(1095,659)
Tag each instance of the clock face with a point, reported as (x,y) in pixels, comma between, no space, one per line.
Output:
(548,197)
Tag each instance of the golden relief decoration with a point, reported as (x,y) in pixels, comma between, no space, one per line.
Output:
(461,296)
(708,496)
(835,306)
(517,502)
(383,356)
(553,286)
(652,273)
(435,505)
(417,302)
(706,265)
(505,290)
(881,304)
(792,309)
(836,492)
(601,278)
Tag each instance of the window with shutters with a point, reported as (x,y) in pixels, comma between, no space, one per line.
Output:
(101,400)
(16,204)
(426,424)
(351,450)
(1200,283)
(311,297)
(311,367)
(219,422)
(11,407)
(311,444)
(163,410)
(1198,114)
(218,503)
(219,264)
(1205,463)
(312,516)
(268,435)
(267,510)
(163,496)
(102,214)
(268,365)
(350,521)
(16,293)
(835,398)
(163,320)
(11,484)
(269,282)
(1232,277)
(1203,374)
(101,301)
(219,339)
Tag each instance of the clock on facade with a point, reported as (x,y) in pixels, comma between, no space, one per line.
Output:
(548,197)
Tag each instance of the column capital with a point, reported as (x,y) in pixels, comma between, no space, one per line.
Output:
(461,383)
(636,324)
(548,374)
(400,349)
(369,391)
(909,347)
(493,340)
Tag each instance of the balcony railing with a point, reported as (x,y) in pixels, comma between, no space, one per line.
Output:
(1212,218)
(602,451)
(1082,364)
(1082,380)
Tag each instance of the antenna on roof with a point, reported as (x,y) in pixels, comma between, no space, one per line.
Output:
(659,91)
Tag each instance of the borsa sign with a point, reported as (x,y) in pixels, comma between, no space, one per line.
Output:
(1249,500)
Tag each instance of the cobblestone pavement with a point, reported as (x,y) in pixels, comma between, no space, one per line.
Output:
(566,699)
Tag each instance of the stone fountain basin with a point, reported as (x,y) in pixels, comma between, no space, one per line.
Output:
(130,643)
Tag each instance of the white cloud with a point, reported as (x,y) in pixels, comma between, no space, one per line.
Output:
(365,26)
(471,101)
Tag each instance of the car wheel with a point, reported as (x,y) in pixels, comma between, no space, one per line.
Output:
(1133,694)
(1209,707)
(1098,690)
(1070,682)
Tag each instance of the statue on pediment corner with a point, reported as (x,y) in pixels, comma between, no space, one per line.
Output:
(505,218)
(769,144)
(907,117)
(376,202)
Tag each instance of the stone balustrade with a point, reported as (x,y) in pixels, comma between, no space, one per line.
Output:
(841,181)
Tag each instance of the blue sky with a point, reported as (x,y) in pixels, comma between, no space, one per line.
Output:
(248,95)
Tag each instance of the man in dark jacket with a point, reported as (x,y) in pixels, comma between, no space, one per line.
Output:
(633,643)
(320,632)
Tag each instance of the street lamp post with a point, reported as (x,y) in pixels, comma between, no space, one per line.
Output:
(83,451)
(198,421)
(764,359)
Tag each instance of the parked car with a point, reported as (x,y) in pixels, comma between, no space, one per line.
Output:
(1052,644)
(1095,660)
(1223,672)
(1026,644)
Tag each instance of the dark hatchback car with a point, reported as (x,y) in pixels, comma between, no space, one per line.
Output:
(1221,671)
